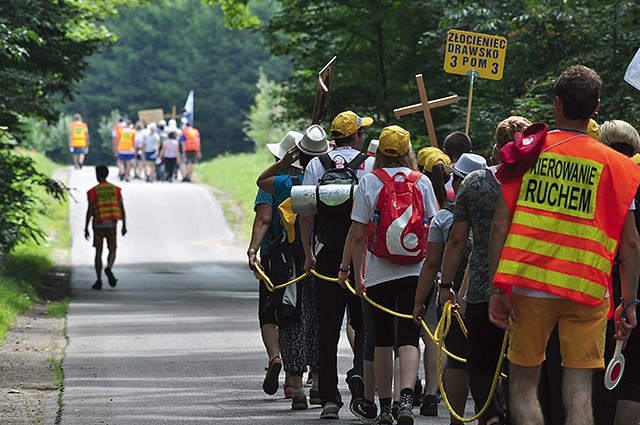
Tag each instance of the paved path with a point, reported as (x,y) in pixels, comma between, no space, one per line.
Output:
(177,341)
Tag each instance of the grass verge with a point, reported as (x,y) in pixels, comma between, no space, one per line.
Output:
(25,266)
(233,179)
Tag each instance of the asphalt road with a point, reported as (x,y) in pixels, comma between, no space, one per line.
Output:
(177,341)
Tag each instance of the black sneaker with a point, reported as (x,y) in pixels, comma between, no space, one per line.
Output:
(395,406)
(405,415)
(97,286)
(356,386)
(417,392)
(111,277)
(384,419)
(364,410)
(429,405)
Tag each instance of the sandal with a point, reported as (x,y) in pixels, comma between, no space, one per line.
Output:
(270,383)
(299,402)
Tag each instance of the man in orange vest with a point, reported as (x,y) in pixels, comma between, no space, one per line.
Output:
(125,150)
(78,140)
(106,209)
(553,240)
(191,143)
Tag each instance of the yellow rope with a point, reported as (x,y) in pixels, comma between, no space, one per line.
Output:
(438,337)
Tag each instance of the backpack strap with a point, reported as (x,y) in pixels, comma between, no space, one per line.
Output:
(326,161)
(357,161)
(382,175)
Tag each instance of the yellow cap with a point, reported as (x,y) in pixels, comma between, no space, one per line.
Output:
(427,157)
(394,141)
(593,129)
(348,122)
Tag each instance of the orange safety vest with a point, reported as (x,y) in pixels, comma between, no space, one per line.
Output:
(79,133)
(191,139)
(126,140)
(105,198)
(568,211)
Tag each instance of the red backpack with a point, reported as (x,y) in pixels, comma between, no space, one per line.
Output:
(398,230)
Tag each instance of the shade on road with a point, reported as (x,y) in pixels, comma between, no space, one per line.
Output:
(177,341)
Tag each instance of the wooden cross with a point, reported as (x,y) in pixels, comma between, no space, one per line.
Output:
(174,115)
(425,106)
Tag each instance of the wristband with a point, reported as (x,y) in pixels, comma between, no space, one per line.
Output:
(251,251)
(343,273)
(343,270)
(445,285)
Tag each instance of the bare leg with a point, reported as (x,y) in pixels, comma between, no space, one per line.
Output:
(98,262)
(457,388)
(430,363)
(269,333)
(576,395)
(523,395)
(369,381)
(111,258)
(383,367)
(409,360)
(627,412)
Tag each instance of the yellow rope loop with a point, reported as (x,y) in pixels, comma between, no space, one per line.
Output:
(438,337)
(267,282)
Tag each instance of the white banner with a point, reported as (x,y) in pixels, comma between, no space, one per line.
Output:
(632,76)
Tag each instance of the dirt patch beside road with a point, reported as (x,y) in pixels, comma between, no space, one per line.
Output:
(28,384)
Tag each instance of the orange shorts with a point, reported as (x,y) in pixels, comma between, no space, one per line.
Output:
(581,330)
(108,233)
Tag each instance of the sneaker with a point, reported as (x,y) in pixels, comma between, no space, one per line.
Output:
(429,405)
(330,410)
(314,397)
(356,387)
(384,419)
(112,279)
(405,415)
(417,392)
(288,391)
(364,410)
(299,402)
(395,407)
(97,286)
(270,383)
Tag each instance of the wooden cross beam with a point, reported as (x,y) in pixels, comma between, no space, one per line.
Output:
(173,115)
(425,106)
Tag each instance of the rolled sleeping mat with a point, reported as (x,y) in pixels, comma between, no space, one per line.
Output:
(304,198)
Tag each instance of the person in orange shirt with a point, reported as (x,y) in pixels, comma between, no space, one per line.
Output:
(78,140)
(191,143)
(104,210)
(559,219)
(125,150)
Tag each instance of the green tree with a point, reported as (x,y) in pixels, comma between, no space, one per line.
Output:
(165,50)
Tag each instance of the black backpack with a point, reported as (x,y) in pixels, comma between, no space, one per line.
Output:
(286,262)
(332,222)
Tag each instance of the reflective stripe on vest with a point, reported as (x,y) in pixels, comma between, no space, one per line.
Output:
(105,199)
(568,213)
(127,138)
(78,134)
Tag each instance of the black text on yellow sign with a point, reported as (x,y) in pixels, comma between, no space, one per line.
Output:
(482,53)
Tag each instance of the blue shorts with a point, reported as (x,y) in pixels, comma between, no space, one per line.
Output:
(78,151)
(126,156)
(150,156)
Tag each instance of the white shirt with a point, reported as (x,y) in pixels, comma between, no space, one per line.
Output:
(314,170)
(379,270)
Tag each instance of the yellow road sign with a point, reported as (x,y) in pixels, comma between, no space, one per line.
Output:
(483,53)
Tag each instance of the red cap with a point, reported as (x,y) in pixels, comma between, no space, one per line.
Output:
(520,154)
